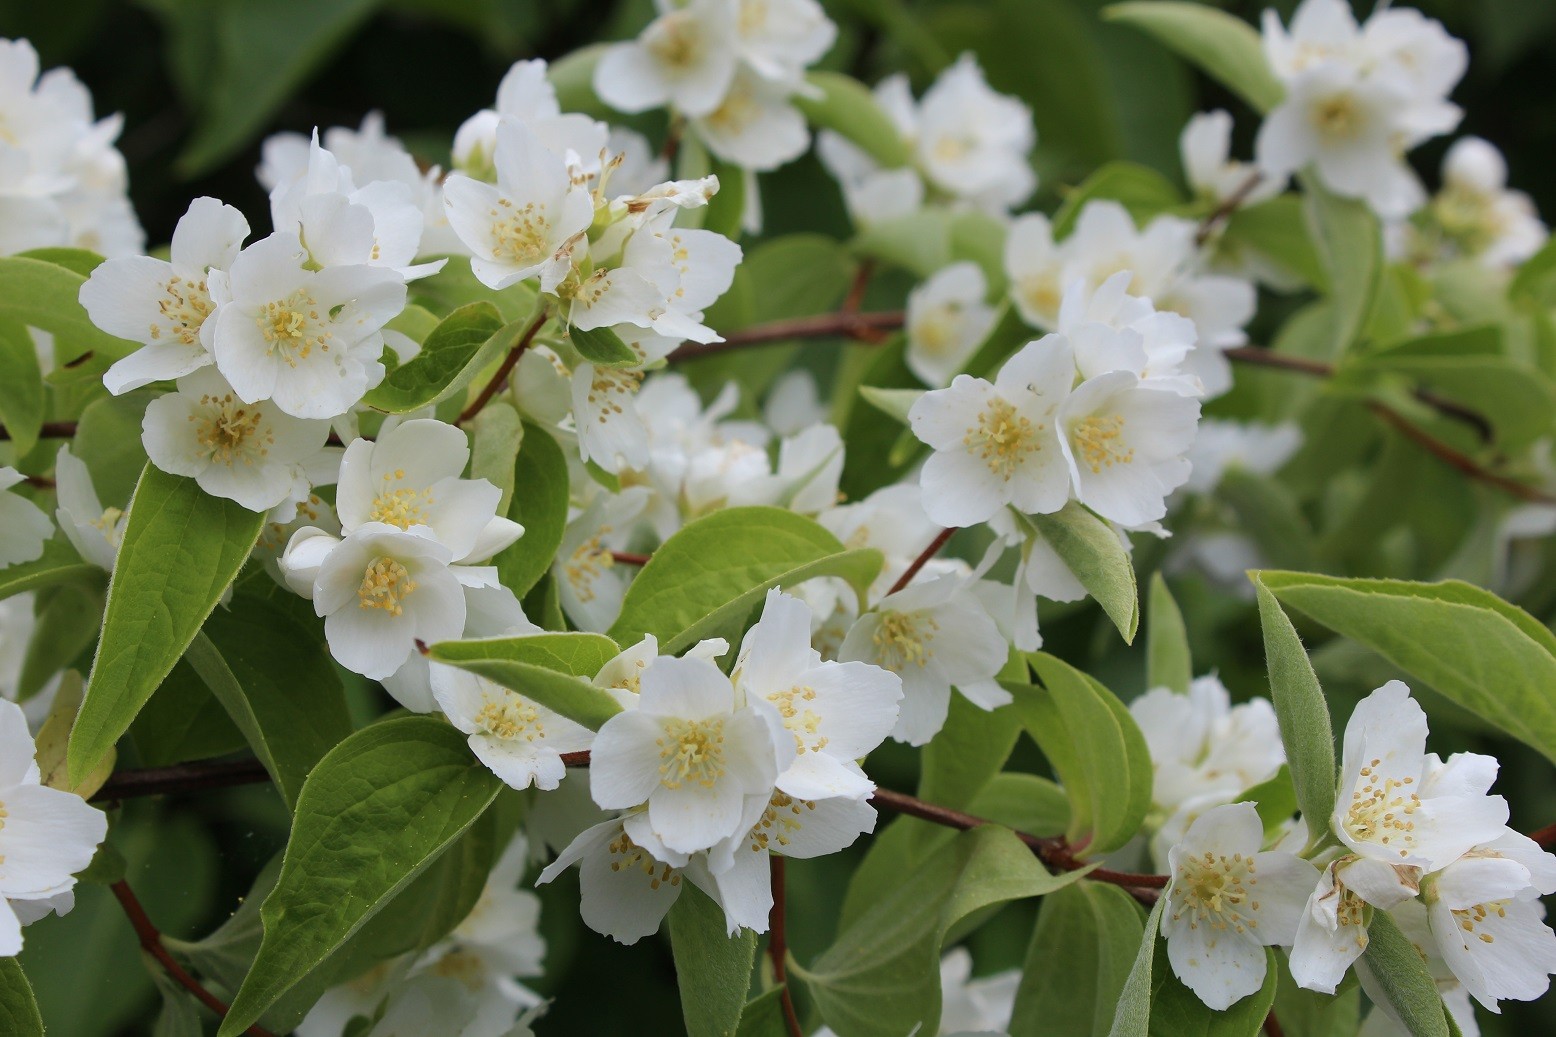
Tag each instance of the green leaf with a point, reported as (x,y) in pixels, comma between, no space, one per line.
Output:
(373,815)
(182,548)
(919,242)
(59,563)
(108,442)
(1300,708)
(763,1016)
(454,352)
(180,1014)
(1140,189)
(276,682)
(183,721)
(846,107)
(1095,748)
(551,669)
(69,617)
(1516,399)
(1223,46)
(1308,1013)
(1168,664)
(602,347)
(1490,657)
(1276,229)
(1133,1016)
(1349,242)
(966,754)
(80,260)
(1077,962)
(1176,1011)
(712,969)
(18,1010)
(1097,557)
(539,504)
(714,570)
(21,386)
(1275,799)
(881,977)
(252,68)
(1400,971)
(1268,512)
(40,294)
(496,435)
(894,403)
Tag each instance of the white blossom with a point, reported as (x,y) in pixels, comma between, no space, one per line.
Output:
(686,57)
(24,528)
(93,530)
(947,319)
(1205,148)
(519,739)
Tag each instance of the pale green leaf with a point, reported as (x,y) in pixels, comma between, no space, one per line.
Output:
(715,570)
(1076,964)
(18,1010)
(1490,657)
(1223,46)
(1349,242)
(1168,664)
(712,969)
(496,434)
(763,1016)
(1094,553)
(602,347)
(59,563)
(1176,1011)
(181,550)
(40,294)
(1300,708)
(539,504)
(846,107)
(454,352)
(550,669)
(894,403)
(21,386)
(373,815)
(1140,189)
(1401,974)
(1133,1015)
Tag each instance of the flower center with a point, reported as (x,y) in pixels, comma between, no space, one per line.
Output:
(587,562)
(464,967)
(1216,890)
(290,325)
(691,750)
(1381,813)
(185,305)
(676,41)
(1098,440)
(1041,292)
(738,111)
(400,506)
(628,854)
(385,585)
(903,639)
(105,525)
(520,235)
(610,387)
(1337,117)
(936,333)
(229,431)
(509,718)
(802,721)
(1002,438)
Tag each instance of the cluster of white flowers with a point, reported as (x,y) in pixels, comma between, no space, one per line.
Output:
(1358,98)
(62,181)
(1412,834)
(1474,215)
(730,68)
(711,773)
(465,985)
(969,148)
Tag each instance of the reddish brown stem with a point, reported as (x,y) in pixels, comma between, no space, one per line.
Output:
(50,430)
(1544,836)
(923,559)
(151,942)
(630,558)
(1457,459)
(1224,211)
(1272,1026)
(509,362)
(778,947)
(861,284)
(197,776)
(862,327)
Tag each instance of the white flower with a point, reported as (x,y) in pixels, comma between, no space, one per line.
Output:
(872,194)
(588,583)
(411,476)
(624,890)
(690,751)
(1222,445)
(1124,443)
(1111,330)
(891,520)
(835,712)
(947,319)
(520,740)
(164,304)
(24,528)
(1497,226)
(526,94)
(972,142)
(754,126)
(525,225)
(686,58)
(251,453)
(380,590)
(1227,901)
(307,339)
(778,39)
(93,530)
(1205,148)
(47,837)
(932,635)
(997,444)
(1382,1021)
(1201,745)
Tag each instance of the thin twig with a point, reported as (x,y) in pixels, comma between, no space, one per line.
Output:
(861,284)
(861,327)
(49,430)
(629,558)
(196,776)
(1224,211)
(923,559)
(778,947)
(500,378)
(1544,836)
(1457,459)
(151,942)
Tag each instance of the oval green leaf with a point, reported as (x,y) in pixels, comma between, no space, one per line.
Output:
(541,492)
(551,669)
(1223,46)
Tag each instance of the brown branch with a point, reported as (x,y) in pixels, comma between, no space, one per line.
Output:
(861,327)
(923,559)
(778,947)
(861,284)
(1545,837)
(197,776)
(1224,211)
(151,942)
(630,558)
(1457,459)
(49,430)
(1272,1026)
(509,362)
